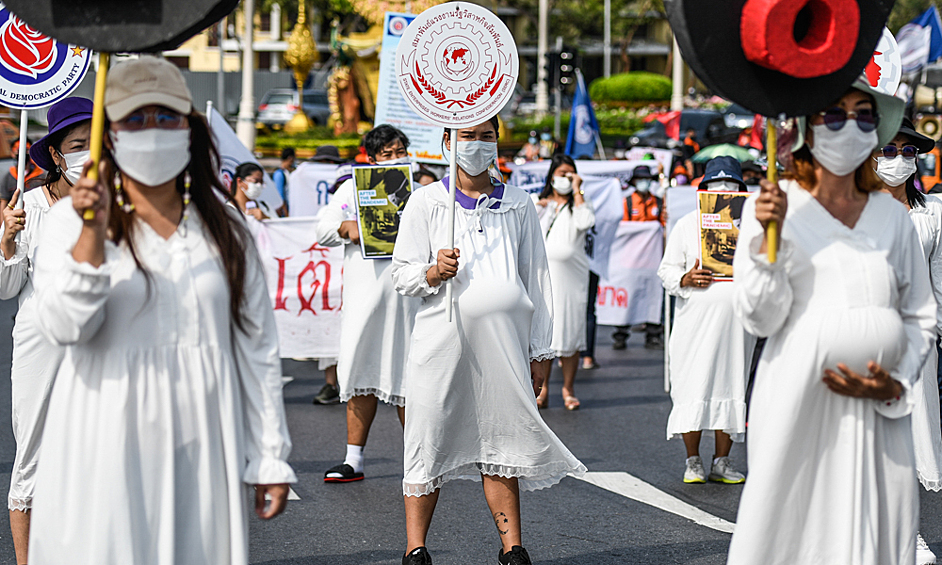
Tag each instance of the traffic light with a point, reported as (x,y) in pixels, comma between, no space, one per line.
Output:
(567,68)
(552,68)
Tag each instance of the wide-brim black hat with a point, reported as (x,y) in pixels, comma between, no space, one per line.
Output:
(721,44)
(923,144)
(327,154)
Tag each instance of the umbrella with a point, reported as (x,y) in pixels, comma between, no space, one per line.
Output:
(722,150)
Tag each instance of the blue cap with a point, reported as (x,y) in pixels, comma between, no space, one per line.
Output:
(722,168)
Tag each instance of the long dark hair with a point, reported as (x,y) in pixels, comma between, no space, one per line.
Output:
(915,198)
(558,160)
(228,234)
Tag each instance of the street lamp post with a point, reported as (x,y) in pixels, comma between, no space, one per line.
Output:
(245,127)
(542,93)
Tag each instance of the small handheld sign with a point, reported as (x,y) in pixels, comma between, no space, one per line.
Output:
(776,57)
(456,66)
(35,71)
(110,26)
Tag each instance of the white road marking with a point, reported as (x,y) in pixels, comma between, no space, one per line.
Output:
(291,495)
(634,488)
(286,379)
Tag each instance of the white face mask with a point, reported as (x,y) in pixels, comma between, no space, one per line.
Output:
(643,185)
(398,161)
(842,151)
(562,185)
(895,171)
(152,156)
(252,190)
(474,157)
(724,186)
(73,165)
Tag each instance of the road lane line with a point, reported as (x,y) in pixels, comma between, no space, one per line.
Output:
(293,495)
(629,486)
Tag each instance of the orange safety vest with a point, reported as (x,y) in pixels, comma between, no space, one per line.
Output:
(640,209)
(36,172)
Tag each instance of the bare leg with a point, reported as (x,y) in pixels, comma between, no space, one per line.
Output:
(419,510)
(360,413)
(330,375)
(723,444)
(19,527)
(503,498)
(692,443)
(542,399)
(570,366)
(401,411)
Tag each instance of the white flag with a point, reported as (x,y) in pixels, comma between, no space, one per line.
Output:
(233,153)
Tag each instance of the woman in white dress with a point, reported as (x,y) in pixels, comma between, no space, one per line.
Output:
(471,411)
(895,164)
(247,183)
(62,152)
(565,217)
(710,350)
(849,315)
(167,406)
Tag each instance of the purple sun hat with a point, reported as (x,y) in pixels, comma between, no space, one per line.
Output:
(60,116)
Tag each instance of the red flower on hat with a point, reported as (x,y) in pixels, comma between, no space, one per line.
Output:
(24,50)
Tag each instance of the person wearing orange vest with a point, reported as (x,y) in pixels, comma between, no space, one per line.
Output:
(34,176)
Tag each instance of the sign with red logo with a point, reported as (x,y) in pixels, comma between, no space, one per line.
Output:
(36,70)
(884,71)
(457,64)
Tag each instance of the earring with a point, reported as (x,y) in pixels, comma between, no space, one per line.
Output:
(186,195)
(119,195)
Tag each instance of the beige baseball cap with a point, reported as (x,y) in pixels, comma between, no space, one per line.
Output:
(144,81)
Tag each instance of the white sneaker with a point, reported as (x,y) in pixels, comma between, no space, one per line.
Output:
(695,472)
(924,555)
(723,472)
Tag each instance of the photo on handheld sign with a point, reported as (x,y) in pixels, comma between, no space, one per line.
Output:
(719,216)
(381,196)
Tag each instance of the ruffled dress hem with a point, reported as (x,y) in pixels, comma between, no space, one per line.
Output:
(728,416)
(21,505)
(386,397)
(530,478)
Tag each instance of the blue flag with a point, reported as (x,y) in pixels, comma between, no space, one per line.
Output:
(920,41)
(583,127)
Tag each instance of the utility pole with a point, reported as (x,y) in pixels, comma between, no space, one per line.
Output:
(221,75)
(677,94)
(542,95)
(607,40)
(245,128)
(557,88)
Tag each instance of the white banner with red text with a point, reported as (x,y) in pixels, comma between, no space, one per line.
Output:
(304,282)
(632,292)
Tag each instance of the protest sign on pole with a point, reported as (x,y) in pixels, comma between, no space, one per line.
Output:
(632,293)
(35,71)
(425,140)
(719,214)
(456,66)
(381,195)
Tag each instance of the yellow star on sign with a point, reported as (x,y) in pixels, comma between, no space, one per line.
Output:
(77,51)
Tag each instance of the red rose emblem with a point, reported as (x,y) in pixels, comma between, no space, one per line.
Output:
(25,51)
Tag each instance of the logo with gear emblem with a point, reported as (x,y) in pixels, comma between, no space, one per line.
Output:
(457,64)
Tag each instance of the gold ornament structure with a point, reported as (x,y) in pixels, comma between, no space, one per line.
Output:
(300,56)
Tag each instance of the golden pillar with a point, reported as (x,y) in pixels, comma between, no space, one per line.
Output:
(300,56)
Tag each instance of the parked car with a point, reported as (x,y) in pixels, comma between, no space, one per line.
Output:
(738,117)
(710,126)
(279,105)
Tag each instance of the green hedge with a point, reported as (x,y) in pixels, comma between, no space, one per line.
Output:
(631,87)
(614,122)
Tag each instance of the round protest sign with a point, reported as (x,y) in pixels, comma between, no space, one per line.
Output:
(36,70)
(457,64)
(885,69)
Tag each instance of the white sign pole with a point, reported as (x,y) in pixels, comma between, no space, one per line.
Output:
(667,335)
(21,160)
(453,176)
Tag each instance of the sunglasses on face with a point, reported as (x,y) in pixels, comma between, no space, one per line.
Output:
(908,151)
(835,118)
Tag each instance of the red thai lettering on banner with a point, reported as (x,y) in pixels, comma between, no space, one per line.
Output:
(767,37)
(281,303)
(316,284)
(619,296)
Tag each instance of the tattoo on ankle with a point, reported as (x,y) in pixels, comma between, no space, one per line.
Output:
(501,521)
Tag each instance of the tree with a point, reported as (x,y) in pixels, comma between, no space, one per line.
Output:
(905,10)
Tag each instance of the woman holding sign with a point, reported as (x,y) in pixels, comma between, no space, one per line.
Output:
(565,216)
(167,406)
(471,411)
(849,316)
(62,152)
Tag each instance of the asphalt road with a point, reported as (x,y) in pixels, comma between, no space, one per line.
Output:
(620,428)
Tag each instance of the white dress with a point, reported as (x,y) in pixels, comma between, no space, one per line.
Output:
(709,349)
(163,411)
(927,429)
(35,359)
(564,232)
(831,477)
(471,407)
(375,320)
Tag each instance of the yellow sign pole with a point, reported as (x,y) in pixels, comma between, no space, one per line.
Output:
(771,141)
(98,122)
